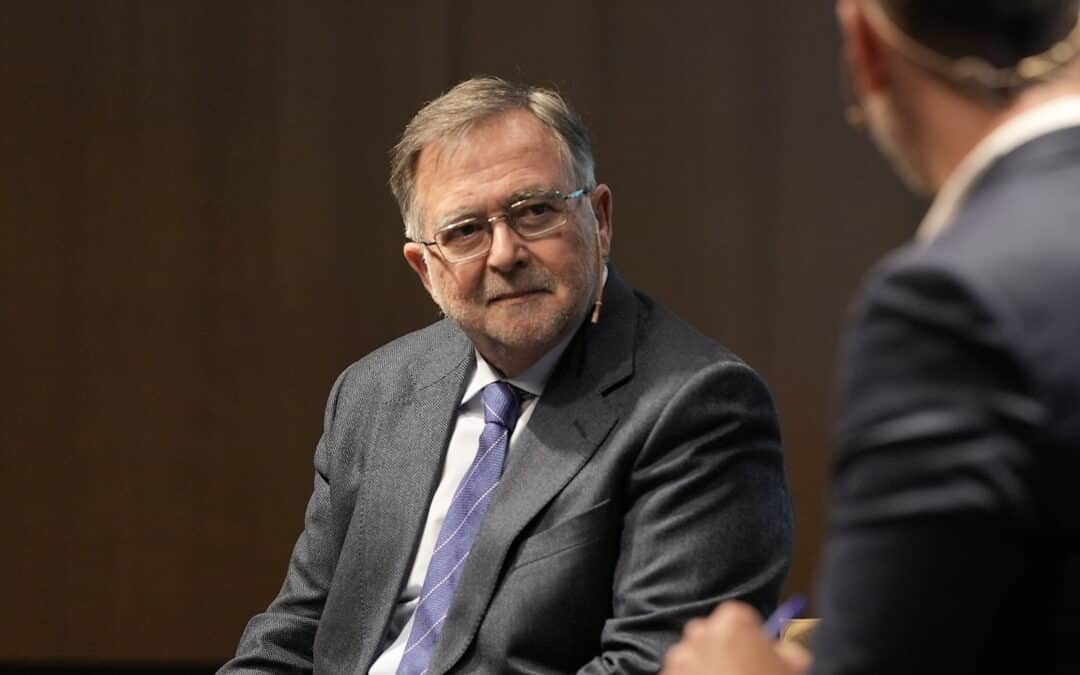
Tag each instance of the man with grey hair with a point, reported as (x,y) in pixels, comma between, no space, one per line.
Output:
(553,478)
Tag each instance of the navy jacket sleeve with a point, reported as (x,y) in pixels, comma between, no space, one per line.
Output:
(936,484)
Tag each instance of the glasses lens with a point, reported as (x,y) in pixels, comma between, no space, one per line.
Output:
(537,215)
(464,239)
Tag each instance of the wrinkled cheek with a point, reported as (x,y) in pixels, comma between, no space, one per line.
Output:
(453,303)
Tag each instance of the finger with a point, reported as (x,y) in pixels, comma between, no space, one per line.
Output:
(678,660)
(737,613)
(695,629)
(797,658)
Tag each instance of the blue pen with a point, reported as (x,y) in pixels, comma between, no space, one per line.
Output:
(778,620)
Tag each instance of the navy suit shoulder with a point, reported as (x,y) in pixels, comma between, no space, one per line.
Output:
(1004,275)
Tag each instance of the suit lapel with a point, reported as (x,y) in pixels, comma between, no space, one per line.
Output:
(571,420)
(396,486)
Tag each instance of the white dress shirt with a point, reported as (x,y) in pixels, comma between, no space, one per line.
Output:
(459,455)
(1060,113)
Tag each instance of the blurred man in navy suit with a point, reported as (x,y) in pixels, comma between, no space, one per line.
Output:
(954,543)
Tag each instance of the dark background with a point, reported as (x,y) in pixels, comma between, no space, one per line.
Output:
(196,236)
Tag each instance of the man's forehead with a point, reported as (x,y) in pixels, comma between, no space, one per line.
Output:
(517,132)
(511,152)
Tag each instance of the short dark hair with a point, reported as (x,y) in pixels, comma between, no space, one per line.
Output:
(1000,32)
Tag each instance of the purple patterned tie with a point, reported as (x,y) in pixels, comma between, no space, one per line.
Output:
(467,508)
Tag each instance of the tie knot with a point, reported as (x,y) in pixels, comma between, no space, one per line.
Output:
(501,404)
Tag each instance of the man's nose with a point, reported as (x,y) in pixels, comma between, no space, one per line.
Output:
(508,249)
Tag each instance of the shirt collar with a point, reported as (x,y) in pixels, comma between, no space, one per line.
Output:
(1060,113)
(533,380)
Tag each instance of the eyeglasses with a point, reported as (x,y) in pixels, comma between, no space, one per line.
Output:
(531,217)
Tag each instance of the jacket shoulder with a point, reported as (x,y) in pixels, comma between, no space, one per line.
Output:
(403,365)
(666,341)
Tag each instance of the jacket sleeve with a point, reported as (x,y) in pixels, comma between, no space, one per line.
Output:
(935,483)
(281,639)
(709,517)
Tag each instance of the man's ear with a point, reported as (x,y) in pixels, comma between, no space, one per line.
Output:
(601,204)
(414,255)
(864,48)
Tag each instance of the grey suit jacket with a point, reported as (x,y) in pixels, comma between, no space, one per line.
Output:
(955,538)
(647,487)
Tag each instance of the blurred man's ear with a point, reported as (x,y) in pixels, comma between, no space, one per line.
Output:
(864,49)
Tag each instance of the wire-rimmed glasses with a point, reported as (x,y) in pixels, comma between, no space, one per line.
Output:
(531,217)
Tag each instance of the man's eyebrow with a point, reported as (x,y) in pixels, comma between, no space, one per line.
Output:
(470,212)
(526,193)
(458,215)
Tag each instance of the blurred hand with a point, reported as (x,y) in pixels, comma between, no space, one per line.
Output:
(732,642)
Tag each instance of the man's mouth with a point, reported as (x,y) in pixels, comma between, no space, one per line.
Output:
(516,295)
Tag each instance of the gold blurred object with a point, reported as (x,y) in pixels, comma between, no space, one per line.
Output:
(800,631)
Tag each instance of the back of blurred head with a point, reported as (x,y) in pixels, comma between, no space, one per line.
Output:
(934,77)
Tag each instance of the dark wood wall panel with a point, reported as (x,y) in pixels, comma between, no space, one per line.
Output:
(196,236)
(833,208)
